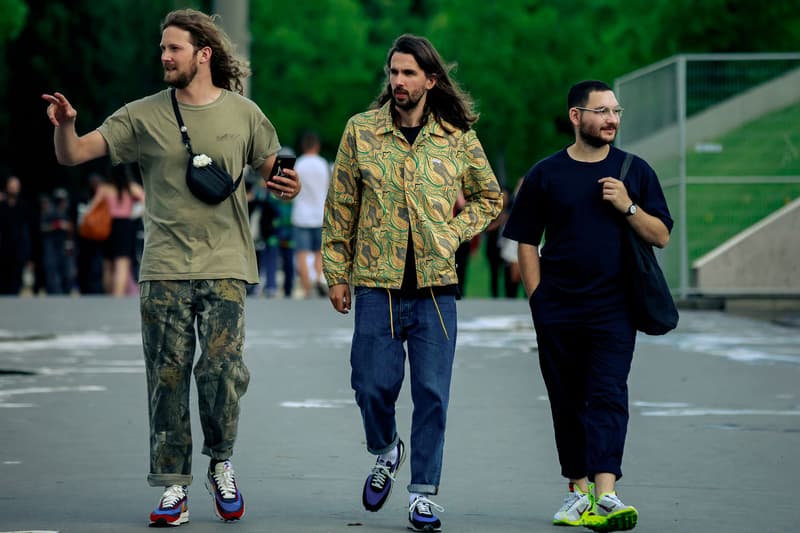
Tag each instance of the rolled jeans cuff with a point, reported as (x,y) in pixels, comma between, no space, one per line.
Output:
(222,455)
(430,490)
(387,449)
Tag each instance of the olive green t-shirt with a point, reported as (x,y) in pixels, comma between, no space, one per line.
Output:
(186,238)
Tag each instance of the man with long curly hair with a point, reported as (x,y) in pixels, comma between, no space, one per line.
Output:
(198,257)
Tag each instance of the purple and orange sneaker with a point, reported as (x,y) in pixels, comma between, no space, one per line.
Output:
(221,483)
(173,508)
(378,485)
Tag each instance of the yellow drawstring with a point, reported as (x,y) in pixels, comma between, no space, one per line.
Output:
(391,318)
(441,320)
(435,303)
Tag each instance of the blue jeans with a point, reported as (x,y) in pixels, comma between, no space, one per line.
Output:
(57,265)
(269,269)
(383,322)
(307,239)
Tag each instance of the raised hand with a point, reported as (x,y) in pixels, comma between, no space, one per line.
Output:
(60,111)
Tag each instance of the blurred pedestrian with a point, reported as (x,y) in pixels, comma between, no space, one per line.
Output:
(390,232)
(511,275)
(491,236)
(578,298)
(57,245)
(508,251)
(89,252)
(15,237)
(277,254)
(121,194)
(198,257)
(307,212)
(137,220)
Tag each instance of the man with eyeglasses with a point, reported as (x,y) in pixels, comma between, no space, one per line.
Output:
(576,287)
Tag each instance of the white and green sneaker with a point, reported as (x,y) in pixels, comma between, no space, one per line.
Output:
(576,506)
(610,514)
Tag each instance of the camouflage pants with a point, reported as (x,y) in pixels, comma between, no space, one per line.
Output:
(170,310)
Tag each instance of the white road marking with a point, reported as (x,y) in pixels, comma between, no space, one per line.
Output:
(42,390)
(701,411)
(318,404)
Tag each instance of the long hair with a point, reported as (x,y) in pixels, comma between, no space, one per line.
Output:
(227,70)
(445,101)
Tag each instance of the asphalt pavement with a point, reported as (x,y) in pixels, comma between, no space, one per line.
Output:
(713,441)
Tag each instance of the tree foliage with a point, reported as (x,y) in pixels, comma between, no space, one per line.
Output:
(11,23)
(511,70)
(100,54)
(315,63)
(306,74)
(14,13)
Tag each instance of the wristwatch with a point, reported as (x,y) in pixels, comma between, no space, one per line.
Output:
(631,210)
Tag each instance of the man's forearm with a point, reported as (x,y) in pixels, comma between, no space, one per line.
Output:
(528,256)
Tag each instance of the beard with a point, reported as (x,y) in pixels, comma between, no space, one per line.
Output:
(412,100)
(182,79)
(593,140)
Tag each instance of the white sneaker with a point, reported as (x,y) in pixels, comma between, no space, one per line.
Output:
(576,506)
(611,515)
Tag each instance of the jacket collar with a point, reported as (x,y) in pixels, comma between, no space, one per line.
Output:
(431,127)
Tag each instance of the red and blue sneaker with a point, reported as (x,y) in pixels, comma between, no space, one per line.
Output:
(228,501)
(378,485)
(173,508)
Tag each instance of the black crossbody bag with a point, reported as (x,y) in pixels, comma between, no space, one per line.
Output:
(653,309)
(206,179)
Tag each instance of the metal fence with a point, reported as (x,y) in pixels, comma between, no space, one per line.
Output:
(723,133)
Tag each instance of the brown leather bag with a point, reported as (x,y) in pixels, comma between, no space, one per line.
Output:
(96,223)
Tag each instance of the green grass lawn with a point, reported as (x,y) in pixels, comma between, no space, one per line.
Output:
(765,149)
(718,212)
(768,146)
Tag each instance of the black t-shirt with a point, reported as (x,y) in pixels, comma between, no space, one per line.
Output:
(561,201)
(409,288)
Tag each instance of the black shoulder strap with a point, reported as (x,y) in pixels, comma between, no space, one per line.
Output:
(626,164)
(184,131)
(185,134)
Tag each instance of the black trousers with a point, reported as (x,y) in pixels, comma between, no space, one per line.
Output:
(585,366)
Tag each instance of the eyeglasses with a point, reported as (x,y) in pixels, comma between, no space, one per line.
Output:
(606,112)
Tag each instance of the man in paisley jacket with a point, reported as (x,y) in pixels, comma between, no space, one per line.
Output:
(390,233)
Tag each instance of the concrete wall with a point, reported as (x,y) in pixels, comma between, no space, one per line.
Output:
(762,260)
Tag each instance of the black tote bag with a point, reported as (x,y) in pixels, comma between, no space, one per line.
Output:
(653,309)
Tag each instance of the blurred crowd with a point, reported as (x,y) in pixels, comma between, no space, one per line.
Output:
(41,252)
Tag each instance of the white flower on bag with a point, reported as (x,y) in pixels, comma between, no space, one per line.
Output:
(201,160)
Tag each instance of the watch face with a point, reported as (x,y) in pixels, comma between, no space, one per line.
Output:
(632,210)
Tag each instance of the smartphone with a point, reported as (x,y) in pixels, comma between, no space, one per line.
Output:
(282,162)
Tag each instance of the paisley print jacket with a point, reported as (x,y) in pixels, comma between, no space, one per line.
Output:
(381,186)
